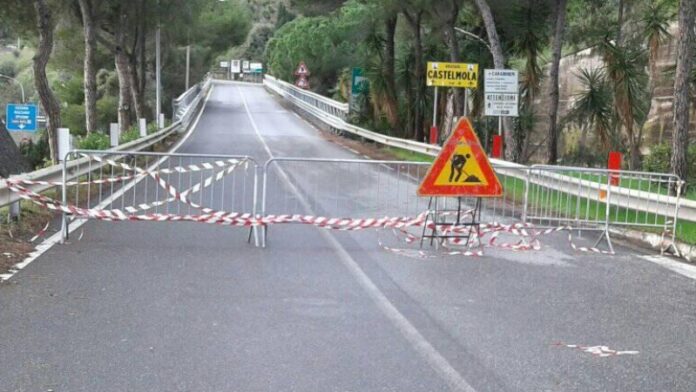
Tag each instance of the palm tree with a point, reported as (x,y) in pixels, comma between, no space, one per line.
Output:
(655,22)
(529,43)
(592,108)
(624,71)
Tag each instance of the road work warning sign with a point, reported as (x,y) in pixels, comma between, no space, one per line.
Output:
(452,75)
(462,168)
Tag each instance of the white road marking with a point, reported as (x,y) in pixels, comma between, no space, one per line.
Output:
(419,343)
(679,267)
(55,238)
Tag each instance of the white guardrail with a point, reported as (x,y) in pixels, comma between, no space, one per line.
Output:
(182,120)
(314,105)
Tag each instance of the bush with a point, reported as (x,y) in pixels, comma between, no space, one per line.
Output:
(94,141)
(130,135)
(73,117)
(658,161)
(152,128)
(107,112)
(36,153)
(8,68)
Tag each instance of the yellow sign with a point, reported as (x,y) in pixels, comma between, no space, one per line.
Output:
(452,75)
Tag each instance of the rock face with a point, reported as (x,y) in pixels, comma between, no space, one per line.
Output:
(658,127)
(11,160)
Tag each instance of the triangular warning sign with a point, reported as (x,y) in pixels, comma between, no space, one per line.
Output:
(302,69)
(462,168)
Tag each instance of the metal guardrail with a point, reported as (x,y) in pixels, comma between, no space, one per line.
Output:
(686,208)
(55,173)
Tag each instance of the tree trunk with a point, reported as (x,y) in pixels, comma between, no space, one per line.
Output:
(142,82)
(123,73)
(389,70)
(453,44)
(133,82)
(619,23)
(90,73)
(44,48)
(557,44)
(499,63)
(419,69)
(685,41)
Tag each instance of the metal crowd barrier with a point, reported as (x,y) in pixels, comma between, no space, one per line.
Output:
(584,199)
(131,185)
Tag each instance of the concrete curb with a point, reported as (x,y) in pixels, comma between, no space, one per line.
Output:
(655,242)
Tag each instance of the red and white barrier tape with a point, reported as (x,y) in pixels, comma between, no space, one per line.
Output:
(527,233)
(597,351)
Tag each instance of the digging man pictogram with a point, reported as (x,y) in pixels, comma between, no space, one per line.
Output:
(457,165)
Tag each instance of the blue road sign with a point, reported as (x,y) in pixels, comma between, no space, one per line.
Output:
(21,118)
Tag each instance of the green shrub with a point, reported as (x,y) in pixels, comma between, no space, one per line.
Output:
(73,117)
(107,112)
(8,68)
(130,135)
(36,153)
(658,161)
(94,141)
(152,128)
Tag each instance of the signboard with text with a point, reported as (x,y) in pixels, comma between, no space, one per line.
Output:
(236,66)
(501,92)
(460,75)
(21,118)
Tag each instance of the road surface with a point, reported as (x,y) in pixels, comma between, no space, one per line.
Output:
(192,307)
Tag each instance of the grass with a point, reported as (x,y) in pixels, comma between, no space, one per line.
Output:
(410,156)
(656,185)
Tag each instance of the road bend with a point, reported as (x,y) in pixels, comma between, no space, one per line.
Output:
(194,307)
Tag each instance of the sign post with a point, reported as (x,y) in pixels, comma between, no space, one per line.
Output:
(457,75)
(21,118)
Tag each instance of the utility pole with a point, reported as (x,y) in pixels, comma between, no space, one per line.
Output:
(188,65)
(158,76)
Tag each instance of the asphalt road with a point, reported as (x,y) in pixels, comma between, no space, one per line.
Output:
(193,307)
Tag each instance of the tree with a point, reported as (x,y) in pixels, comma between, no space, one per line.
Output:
(685,55)
(45,26)
(559,12)
(87,12)
(624,70)
(414,17)
(592,109)
(499,62)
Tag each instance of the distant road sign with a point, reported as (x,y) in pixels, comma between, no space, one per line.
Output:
(256,67)
(359,83)
(236,66)
(21,118)
(224,64)
(452,75)
(245,65)
(501,92)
